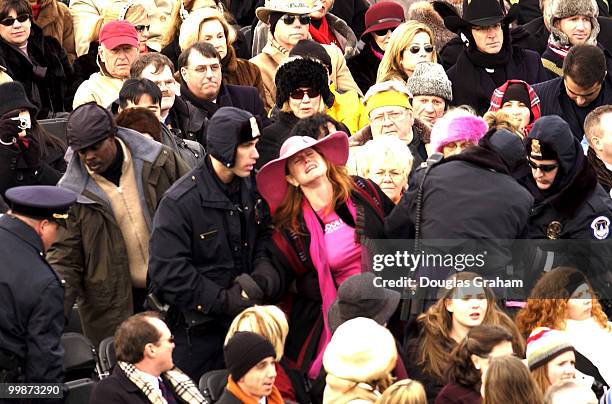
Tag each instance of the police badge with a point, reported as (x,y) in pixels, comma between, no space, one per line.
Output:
(553,230)
(536,150)
(601,227)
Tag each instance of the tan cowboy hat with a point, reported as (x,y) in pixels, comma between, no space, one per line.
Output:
(287,7)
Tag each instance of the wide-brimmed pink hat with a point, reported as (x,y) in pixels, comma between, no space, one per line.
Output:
(271,180)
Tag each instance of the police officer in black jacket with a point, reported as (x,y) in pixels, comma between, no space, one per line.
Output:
(208,245)
(569,203)
(31,293)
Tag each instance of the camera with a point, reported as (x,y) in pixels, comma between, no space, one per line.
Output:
(24,122)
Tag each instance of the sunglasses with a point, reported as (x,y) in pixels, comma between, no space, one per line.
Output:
(414,49)
(544,167)
(7,22)
(141,28)
(299,94)
(383,32)
(288,19)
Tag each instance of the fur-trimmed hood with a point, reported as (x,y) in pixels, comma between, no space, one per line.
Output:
(424,12)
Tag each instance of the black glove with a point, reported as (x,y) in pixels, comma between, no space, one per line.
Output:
(267,278)
(249,286)
(31,153)
(234,301)
(9,130)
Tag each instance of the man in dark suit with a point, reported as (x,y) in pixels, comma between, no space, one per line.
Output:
(585,85)
(145,372)
(204,90)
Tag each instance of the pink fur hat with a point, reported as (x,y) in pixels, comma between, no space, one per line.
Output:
(455,126)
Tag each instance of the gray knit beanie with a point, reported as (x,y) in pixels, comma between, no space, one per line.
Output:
(430,79)
(561,9)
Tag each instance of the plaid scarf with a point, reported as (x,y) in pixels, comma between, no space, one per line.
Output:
(181,384)
(561,50)
(498,96)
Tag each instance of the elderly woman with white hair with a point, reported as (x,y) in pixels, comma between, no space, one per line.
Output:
(387,161)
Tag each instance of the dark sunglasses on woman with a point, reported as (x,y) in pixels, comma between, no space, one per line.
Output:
(414,49)
(299,94)
(142,28)
(544,167)
(383,32)
(7,22)
(289,18)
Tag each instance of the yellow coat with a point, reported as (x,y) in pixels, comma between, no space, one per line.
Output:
(348,109)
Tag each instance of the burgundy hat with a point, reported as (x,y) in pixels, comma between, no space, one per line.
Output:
(383,15)
(271,180)
(117,33)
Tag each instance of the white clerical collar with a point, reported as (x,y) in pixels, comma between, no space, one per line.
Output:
(263,400)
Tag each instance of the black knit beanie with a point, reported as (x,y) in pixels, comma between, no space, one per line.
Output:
(308,48)
(273,19)
(245,350)
(517,92)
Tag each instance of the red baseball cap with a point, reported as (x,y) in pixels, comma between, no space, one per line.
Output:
(117,33)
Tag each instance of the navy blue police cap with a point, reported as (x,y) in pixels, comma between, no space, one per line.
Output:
(40,201)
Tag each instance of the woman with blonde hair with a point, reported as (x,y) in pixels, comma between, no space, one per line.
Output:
(507,381)
(563,299)
(446,323)
(271,323)
(209,25)
(410,44)
(405,391)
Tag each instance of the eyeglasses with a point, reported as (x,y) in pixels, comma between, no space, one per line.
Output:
(543,167)
(393,116)
(414,49)
(170,339)
(299,94)
(141,28)
(383,32)
(201,69)
(7,22)
(288,19)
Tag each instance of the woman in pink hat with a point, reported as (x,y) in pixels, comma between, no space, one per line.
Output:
(323,217)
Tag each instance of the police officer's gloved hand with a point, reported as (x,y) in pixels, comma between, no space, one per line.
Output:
(267,278)
(249,287)
(9,130)
(234,300)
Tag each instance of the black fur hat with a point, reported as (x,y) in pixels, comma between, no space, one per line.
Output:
(300,72)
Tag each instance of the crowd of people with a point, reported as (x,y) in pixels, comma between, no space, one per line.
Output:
(226,171)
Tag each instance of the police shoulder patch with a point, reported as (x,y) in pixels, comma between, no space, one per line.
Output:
(601,227)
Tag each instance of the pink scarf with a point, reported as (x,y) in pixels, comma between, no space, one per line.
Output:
(326,280)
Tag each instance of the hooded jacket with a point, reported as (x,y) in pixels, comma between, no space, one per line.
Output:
(469,196)
(575,207)
(90,253)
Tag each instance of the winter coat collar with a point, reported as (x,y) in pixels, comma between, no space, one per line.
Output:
(481,157)
(78,180)
(21,230)
(569,199)
(49,13)
(211,193)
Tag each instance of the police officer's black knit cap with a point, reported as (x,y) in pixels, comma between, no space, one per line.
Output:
(40,201)
(245,350)
(89,124)
(13,97)
(309,49)
(302,73)
(228,128)
(552,139)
